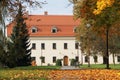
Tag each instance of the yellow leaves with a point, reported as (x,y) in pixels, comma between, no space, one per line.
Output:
(89,74)
(83,74)
(101,5)
(23,74)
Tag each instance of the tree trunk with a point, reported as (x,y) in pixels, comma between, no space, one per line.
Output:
(107,52)
(113,59)
(81,58)
(88,58)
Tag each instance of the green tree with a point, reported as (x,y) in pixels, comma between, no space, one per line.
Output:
(2,50)
(20,40)
(105,16)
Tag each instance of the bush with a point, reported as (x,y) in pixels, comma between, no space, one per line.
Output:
(58,62)
(73,62)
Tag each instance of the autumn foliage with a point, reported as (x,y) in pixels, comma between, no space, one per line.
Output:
(90,74)
(83,74)
(101,5)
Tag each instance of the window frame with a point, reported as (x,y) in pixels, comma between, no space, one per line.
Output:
(33,46)
(54,30)
(54,59)
(86,59)
(65,45)
(42,59)
(75,29)
(54,46)
(118,58)
(34,29)
(42,46)
(76,45)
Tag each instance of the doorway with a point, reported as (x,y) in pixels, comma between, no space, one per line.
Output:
(65,60)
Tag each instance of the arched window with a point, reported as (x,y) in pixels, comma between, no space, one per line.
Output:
(54,29)
(75,29)
(34,29)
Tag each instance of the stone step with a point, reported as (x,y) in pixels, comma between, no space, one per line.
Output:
(69,67)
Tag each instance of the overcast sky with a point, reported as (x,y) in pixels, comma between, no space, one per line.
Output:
(54,7)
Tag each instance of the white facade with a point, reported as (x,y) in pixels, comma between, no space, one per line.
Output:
(60,52)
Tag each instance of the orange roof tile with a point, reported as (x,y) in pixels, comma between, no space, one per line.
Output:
(44,23)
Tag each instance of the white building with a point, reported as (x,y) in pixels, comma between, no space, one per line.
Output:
(53,37)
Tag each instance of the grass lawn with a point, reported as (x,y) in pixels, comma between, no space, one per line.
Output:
(100,66)
(49,72)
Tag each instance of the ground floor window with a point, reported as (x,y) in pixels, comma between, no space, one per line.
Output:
(118,58)
(77,58)
(86,58)
(33,58)
(95,58)
(54,59)
(43,59)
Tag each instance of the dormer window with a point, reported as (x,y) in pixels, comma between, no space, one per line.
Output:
(34,29)
(54,30)
(75,29)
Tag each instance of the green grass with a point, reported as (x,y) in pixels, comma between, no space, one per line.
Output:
(33,68)
(100,66)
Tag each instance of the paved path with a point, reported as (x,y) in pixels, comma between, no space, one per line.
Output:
(69,67)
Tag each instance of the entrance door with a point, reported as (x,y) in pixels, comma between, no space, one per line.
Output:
(65,60)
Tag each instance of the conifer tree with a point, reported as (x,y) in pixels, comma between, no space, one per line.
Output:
(20,40)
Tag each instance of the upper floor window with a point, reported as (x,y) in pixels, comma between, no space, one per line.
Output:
(76,45)
(54,30)
(34,29)
(65,46)
(42,45)
(54,45)
(33,46)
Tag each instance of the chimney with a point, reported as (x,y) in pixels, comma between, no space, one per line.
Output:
(45,13)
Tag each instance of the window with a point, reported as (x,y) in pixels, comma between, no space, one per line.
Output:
(76,45)
(33,46)
(75,29)
(86,58)
(54,30)
(118,58)
(33,58)
(43,59)
(54,59)
(34,29)
(54,45)
(42,45)
(65,46)
(77,58)
(95,57)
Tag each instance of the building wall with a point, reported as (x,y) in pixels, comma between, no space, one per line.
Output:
(49,52)
(60,52)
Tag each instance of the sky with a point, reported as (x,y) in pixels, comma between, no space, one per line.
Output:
(54,7)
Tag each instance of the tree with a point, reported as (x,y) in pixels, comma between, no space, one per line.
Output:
(2,50)
(8,8)
(20,40)
(104,13)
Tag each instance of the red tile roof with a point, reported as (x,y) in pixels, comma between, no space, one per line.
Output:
(44,23)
